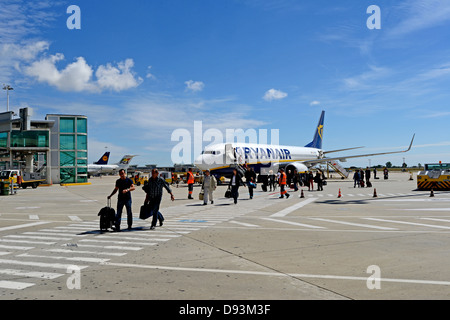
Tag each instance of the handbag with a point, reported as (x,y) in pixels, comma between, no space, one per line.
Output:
(228,193)
(201,195)
(145,212)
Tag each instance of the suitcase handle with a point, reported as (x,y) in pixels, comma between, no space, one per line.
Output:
(108,202)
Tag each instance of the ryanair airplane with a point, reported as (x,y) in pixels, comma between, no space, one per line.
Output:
(221,159)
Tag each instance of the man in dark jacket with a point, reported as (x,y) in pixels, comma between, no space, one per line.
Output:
(235,182)
(154,195)
(250,177)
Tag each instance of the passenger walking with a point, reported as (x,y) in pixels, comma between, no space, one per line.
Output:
(318,181)
(272,180)
(282,182)
(368,183)
(295,180)
(154,192)
(361,177)
(209,185)
(124,186)
(250,179)
(190,182)
(310,178)
(356,179)
(235,182)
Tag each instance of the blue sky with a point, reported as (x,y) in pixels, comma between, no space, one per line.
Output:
(142,69)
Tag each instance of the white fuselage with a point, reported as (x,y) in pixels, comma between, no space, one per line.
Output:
(215,157)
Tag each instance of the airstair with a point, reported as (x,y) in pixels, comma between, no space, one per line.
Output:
(336,166)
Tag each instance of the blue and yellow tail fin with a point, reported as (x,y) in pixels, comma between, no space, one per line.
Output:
(318,136)
(104,159)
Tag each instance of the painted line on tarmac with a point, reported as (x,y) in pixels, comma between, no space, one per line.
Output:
(294,223)
(409,223)
(290,209)
(245,224)
(23,226)
(261,273)
(354,224)
(14,285)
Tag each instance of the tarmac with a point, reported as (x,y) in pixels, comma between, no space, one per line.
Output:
(320,247)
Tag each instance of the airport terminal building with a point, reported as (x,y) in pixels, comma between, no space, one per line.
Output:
(56,148)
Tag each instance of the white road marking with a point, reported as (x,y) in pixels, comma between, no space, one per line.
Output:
(14,285)
(20,226)
(294,223)
(115,254)
(245,224)
(354,224)
(39,264)
(290,209)
(260,273)
(31,274)
(81,259)
(409,223)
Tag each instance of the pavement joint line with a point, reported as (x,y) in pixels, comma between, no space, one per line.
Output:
(277,274)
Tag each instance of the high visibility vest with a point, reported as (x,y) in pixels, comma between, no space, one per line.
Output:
(190,178)
(283,178)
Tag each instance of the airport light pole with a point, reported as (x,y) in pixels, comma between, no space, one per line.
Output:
(7,88)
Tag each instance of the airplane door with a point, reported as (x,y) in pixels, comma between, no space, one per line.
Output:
(230,154)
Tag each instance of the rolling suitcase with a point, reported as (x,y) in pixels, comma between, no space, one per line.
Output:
(107,216)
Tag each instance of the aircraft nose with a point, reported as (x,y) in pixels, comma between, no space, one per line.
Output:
(199,161)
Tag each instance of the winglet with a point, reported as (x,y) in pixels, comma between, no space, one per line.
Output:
(412,140)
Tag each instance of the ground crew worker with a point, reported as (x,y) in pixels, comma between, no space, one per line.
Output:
(282,182)
(190,182)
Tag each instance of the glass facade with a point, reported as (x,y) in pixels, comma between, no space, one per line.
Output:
(30,139)
(73,147)
(3,139)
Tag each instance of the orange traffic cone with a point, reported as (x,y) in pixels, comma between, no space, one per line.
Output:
(339,195)
(302,195)
(375,193)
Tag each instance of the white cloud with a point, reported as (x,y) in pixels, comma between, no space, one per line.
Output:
(78,76)
(314,103)
(194,86)
(421,14)
(117,79)
(273,94)
(149,74)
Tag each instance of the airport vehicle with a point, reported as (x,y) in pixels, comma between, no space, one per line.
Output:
(124,163)
(166,175)
(221,159)
(22,179)
(139,178)
(435,176)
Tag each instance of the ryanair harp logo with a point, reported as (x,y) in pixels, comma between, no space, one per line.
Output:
(320,131)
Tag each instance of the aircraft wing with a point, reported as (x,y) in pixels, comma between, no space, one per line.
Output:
(344,158)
